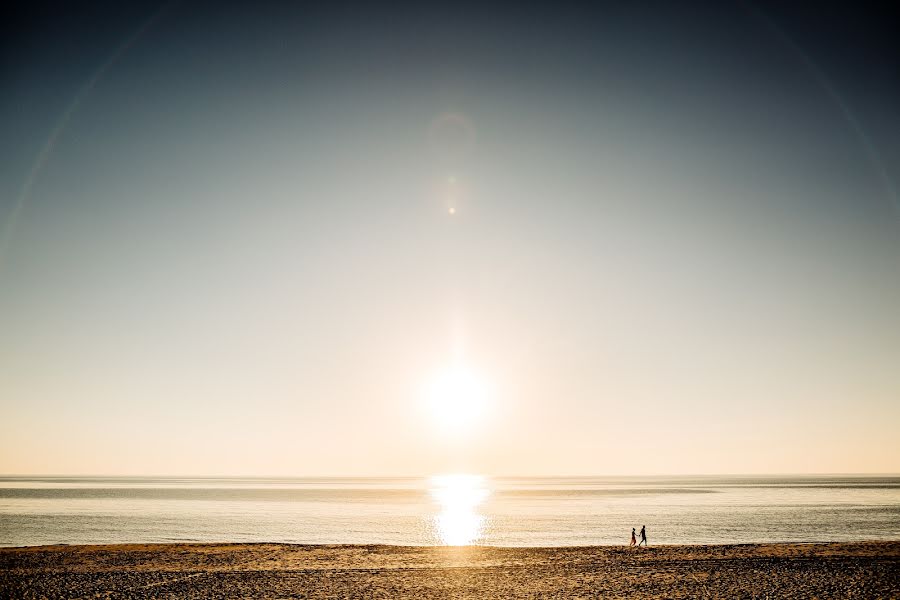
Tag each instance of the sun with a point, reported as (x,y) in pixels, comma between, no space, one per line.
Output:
(457,398)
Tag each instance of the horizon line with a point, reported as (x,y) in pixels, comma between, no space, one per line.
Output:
(450,472)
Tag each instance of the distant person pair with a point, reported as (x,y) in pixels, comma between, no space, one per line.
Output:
(643,536)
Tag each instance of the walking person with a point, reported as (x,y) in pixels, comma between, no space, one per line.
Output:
(643,536)
(633,540)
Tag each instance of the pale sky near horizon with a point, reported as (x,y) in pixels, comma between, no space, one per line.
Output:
(227,247)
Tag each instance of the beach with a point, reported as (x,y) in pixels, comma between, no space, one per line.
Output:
(828,570)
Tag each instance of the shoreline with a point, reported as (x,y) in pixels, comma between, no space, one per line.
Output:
(126,545)
(199,570)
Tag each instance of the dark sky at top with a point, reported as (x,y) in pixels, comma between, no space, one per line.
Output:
(736,64)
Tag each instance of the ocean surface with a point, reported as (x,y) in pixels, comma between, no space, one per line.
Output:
(450,509)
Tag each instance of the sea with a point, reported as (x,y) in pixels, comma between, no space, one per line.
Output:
(451,509)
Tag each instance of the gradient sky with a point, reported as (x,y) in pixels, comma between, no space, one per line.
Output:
(226,247)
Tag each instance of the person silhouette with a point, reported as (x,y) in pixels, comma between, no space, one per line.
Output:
(643,536)
(633,540)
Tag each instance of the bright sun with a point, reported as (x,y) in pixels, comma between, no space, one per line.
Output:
(457,398)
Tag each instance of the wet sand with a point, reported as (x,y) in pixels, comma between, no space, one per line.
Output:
(844,570)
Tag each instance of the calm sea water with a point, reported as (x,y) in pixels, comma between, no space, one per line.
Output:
(456,509)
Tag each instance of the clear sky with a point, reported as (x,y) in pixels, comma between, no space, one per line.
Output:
(638,238)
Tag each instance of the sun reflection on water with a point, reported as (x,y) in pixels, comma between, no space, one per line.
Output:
(459,495)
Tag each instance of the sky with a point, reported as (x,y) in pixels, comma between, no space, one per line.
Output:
(356,240)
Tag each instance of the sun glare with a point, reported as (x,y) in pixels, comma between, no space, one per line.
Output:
(457,398)
(459,523)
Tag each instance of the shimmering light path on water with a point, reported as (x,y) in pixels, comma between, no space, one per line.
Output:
(448,509)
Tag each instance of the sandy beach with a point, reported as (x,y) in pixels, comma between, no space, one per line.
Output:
(836,570)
